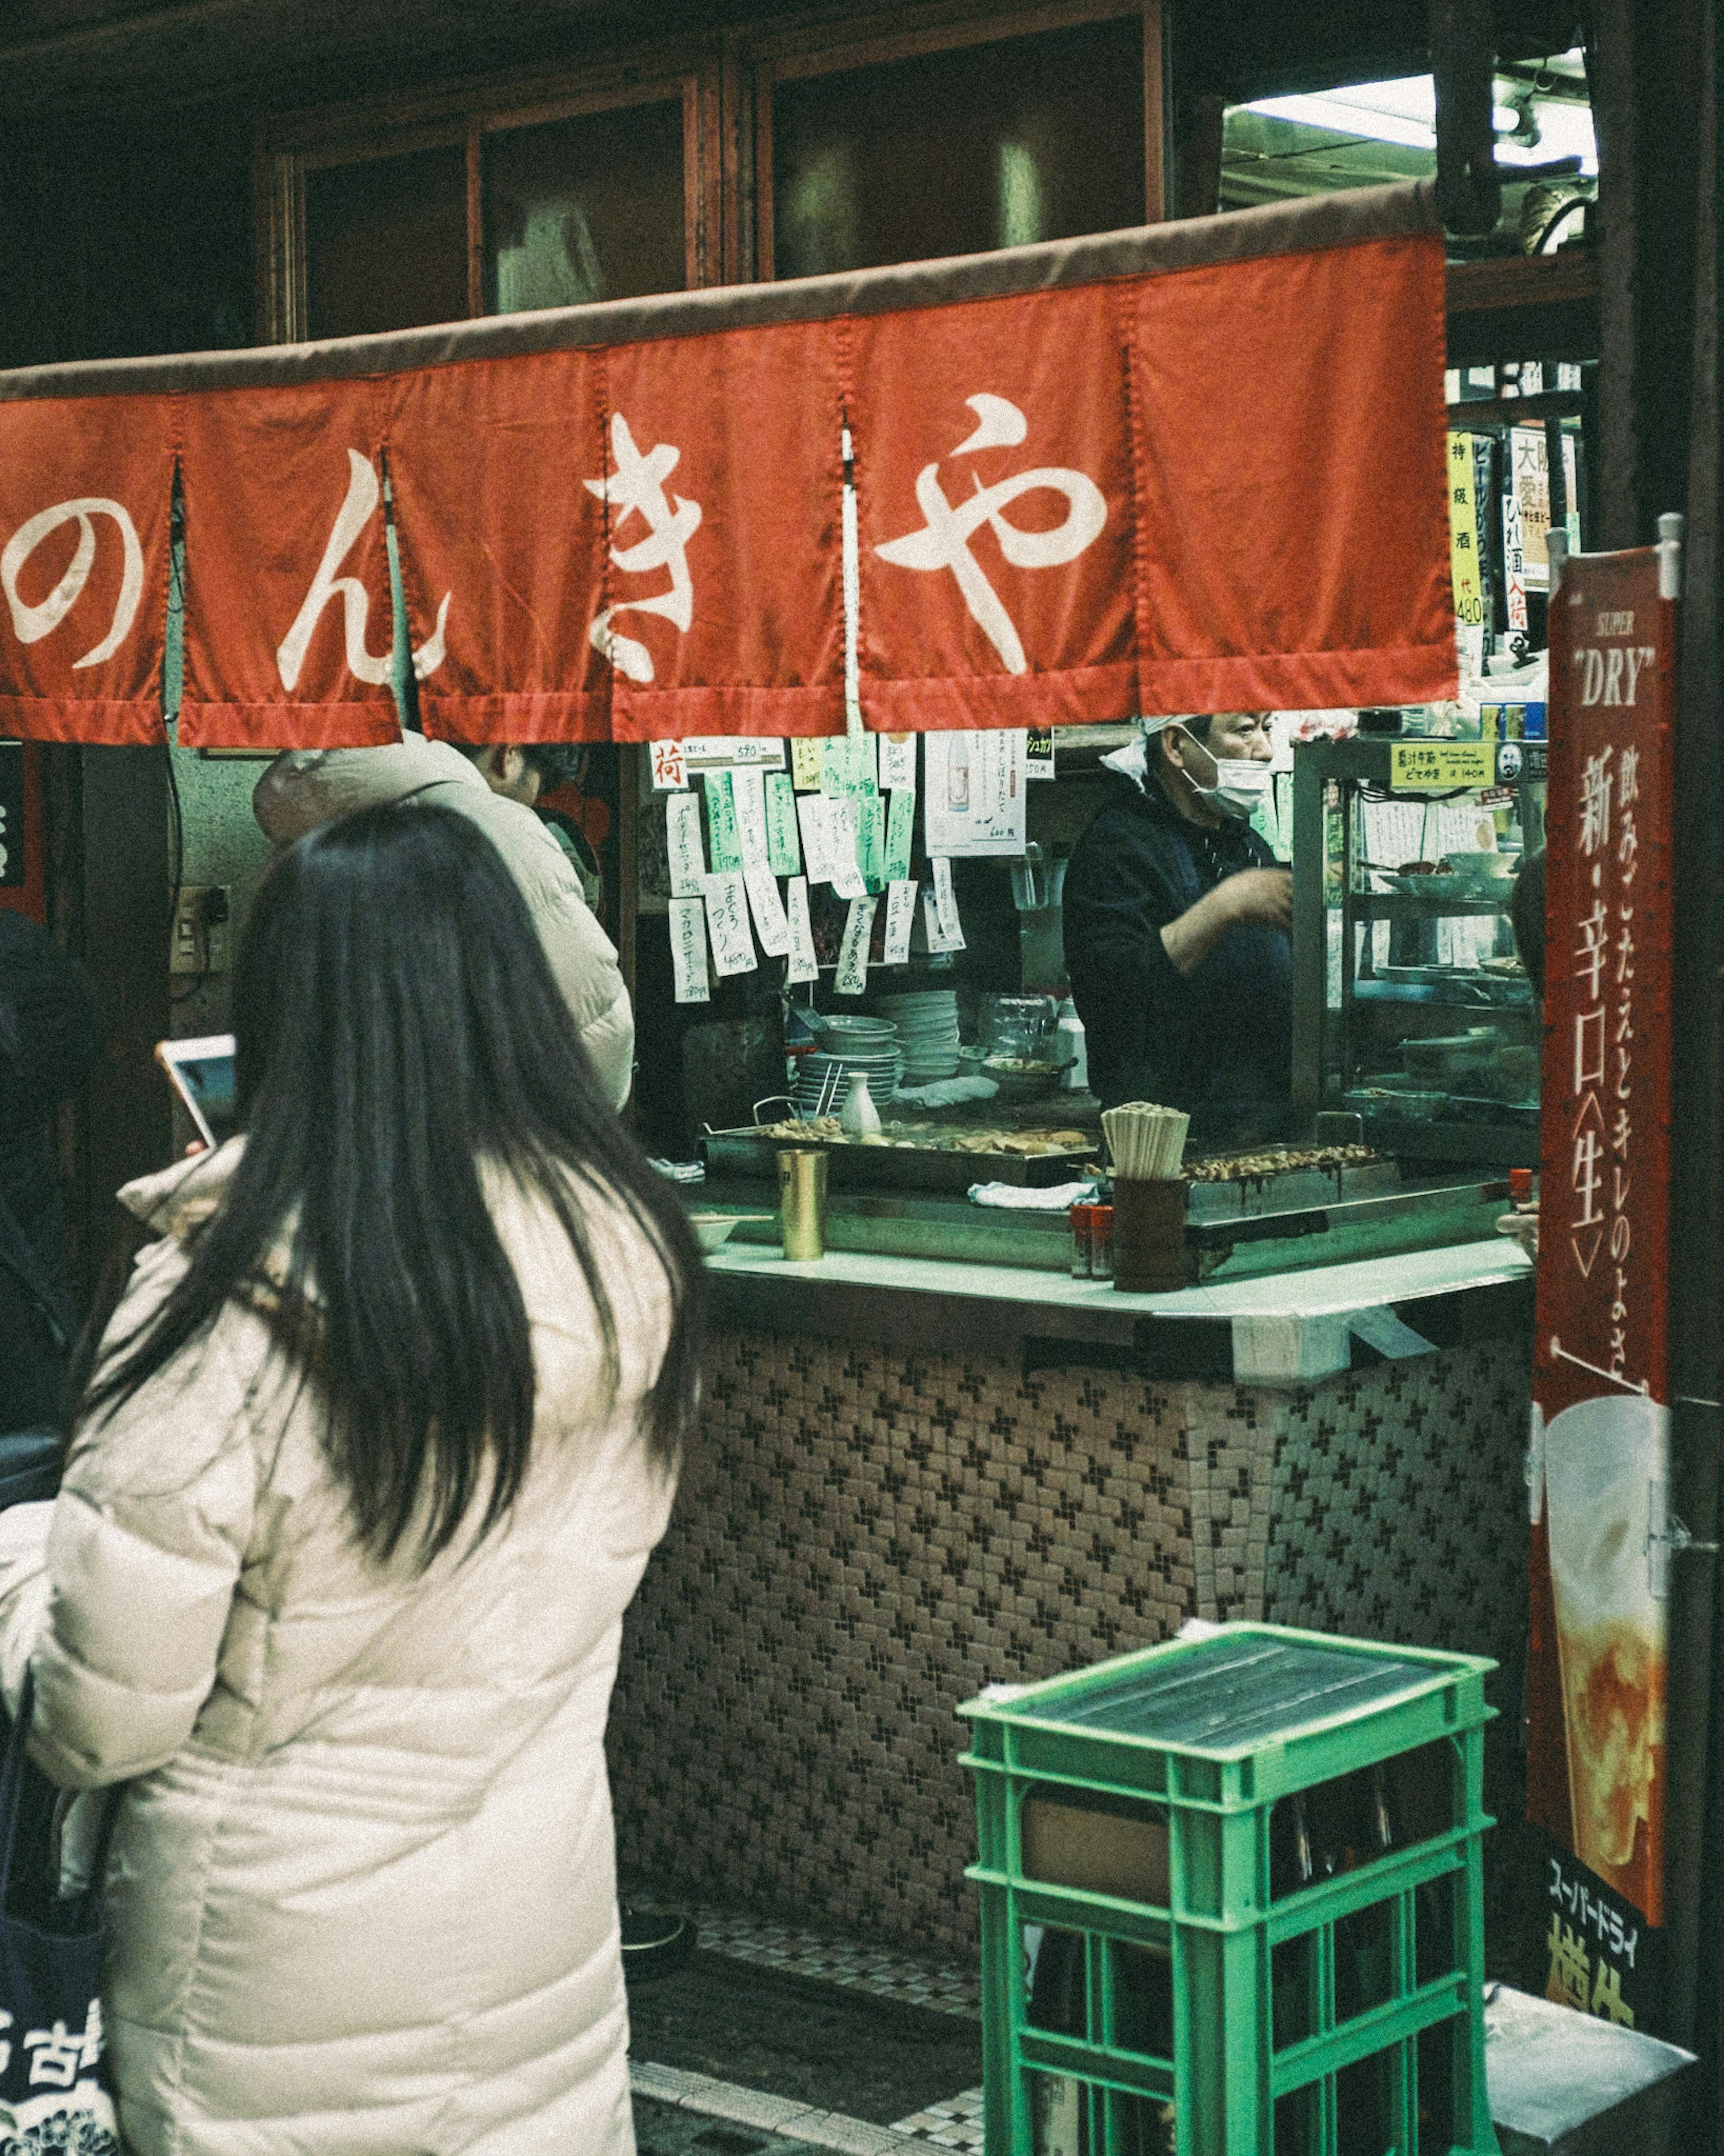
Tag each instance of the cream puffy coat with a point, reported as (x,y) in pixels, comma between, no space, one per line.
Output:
(363,1885)
(306,788)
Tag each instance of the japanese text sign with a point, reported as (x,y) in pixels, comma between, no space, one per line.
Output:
(1598,1680)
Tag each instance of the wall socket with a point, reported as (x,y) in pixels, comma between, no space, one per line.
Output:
(198,943)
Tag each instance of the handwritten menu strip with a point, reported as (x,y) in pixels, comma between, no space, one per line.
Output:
(782,850)
(931,923)
(900,834)
(816,840)
(724,848)
(951,931)
(871,842)
(770,923)
(803,965)
(901,918)
(852,953)
(806,759)
(897,762)
(748,797)
(688,950)
(845,824)
(848,768)
(727,923)
(682,831)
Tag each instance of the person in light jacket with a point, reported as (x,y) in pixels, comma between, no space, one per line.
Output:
(366,1470)
(496,787)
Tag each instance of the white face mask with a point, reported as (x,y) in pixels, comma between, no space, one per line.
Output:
(1241,783)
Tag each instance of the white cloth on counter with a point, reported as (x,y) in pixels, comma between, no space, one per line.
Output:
(679,1171)
(1015,1198)
(945,1092)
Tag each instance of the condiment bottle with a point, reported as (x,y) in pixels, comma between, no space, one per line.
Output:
(1102,1242)
(1080,1242)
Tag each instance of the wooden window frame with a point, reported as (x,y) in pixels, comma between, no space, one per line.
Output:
(756,60)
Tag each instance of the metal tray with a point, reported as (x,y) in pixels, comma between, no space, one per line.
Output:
(745,1151)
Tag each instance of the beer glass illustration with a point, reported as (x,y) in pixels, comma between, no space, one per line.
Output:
(1604,1464)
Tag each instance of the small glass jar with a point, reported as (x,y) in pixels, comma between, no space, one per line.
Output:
(1102,1242)
(1082,1244)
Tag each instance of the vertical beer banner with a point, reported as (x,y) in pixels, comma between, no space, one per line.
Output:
(1597,1684)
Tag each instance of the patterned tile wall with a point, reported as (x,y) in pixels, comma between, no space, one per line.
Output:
(866,1537)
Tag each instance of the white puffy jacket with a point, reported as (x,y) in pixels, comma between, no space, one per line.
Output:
(307,786)
(362,1888)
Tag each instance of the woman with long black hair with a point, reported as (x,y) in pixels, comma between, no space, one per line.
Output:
(364,1472)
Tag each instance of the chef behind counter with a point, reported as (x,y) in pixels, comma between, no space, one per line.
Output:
(1177,941)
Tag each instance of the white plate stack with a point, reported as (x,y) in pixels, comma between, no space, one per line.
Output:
(927,1032)
(849,1048)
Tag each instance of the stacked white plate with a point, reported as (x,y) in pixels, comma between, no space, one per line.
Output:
(927,1032)
(822,1079)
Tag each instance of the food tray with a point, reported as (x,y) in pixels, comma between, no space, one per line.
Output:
(745,1152)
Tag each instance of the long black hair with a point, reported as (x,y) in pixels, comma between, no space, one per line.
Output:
(398,1034)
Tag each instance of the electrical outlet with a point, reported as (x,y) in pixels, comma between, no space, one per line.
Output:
(198,943)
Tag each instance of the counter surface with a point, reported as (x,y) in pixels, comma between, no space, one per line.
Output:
(1285,1328)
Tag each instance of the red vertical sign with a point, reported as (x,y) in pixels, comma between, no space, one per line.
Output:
(1597,1686)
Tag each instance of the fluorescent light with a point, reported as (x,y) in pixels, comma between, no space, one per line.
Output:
(1405,111)
(1336,117)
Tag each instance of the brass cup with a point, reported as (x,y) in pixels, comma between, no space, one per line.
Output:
(801,1203)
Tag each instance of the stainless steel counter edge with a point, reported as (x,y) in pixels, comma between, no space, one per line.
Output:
(1289,1328)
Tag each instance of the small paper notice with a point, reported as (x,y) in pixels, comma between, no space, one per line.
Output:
(897,762)
(688,950)
(682,832)
(768,908)
(973,798)
(901,834)
(816,841)
(1038,752)
(952,929)
(782,848)
(748,797)
(727,924)
(805,763)
(931,923)
(723,847)
(803,965)
(871,842)
(901,918)
(853,953)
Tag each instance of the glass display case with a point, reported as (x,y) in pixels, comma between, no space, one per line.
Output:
(1411,1008)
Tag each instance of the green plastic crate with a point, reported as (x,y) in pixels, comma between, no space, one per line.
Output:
(1375,1972)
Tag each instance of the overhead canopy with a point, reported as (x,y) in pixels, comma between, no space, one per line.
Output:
(1192,466)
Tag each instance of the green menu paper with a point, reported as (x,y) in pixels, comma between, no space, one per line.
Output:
(871,842)
(724,848)
(783,850)
(900,832)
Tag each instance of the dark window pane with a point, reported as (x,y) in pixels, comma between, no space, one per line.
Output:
(386,243)
(581,209)
(954,152)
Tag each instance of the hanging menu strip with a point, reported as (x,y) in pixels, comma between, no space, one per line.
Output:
(803,965)
(782,848)
(901,834)
(682,835)
(852,954)
(901,918)
(727,924)
(897,762)
(871,842)
(845,822)
(723,848)
(806,762)
(770,923)
(816,839)
(748,796)
(931,923)
(688,950)
(951,929)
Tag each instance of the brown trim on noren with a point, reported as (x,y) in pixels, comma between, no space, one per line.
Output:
(1292,227)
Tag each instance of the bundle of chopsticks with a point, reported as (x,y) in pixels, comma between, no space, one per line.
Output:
(1148,1143)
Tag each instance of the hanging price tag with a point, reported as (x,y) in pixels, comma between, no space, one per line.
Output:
(768,908)
(852,953)
(682,835)
(901,918)
(1038,752)
(897,762)
(1423,767)
(871,842)
(723,847)
(727,924)
(845,822)
(748,797)
(805,764)
(688,950)
(901,834)
(803,965)
(951,929)
(782,848)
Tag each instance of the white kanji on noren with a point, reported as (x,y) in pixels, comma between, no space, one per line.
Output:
(362,496)
(32,621)
(635,487)
(944,541)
